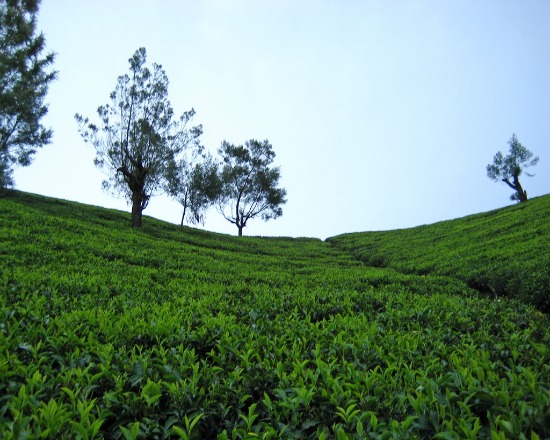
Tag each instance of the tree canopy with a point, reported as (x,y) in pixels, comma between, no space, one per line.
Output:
(24,81)
(248,184)
(139,136)
(508,168)
(195,184)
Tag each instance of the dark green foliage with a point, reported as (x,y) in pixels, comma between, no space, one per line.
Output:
(24,81)
(138,137)
(505,252)
(113,332)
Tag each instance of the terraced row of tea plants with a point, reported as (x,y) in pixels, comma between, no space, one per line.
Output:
(505,252)
(167,332)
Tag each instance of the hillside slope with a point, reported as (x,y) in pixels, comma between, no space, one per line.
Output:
(505,252)
(166,332)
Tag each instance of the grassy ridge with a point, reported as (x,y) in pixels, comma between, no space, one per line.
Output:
(505,252)
(168,332)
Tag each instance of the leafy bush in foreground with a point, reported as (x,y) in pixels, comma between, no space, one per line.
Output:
(204,335)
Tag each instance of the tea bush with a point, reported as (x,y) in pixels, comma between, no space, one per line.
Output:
(168,332)
(505,252)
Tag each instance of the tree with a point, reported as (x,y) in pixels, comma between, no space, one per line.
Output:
(194,184)
(24,81)
(139,137)
(248,184)
(508,169)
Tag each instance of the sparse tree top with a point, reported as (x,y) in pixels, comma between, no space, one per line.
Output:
(139,136)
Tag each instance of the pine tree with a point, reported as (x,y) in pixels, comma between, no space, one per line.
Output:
(24,79)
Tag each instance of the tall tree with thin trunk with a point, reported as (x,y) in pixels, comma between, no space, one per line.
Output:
(508,169)
(139,137)
(195,184)
(248,183)
(24,79)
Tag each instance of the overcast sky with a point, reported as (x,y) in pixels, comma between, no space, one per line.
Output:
(382,114)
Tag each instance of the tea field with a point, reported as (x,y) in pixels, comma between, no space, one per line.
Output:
(505,252)
(167,332)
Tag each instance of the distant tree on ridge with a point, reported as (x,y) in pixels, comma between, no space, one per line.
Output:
(508,169)
(138,137)
(195,184)
(248,184)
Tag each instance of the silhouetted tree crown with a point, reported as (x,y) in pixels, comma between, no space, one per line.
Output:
(508,169)
(195,184)
(138,136)
(248,183)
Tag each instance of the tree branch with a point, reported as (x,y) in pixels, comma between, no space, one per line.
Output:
(510,184)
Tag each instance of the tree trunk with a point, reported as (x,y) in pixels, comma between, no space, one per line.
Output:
(136,210)
(183,215)
(184,206)
(238,218)
(516,186)
(522,195)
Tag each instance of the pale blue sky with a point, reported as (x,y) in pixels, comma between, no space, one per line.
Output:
(383,114)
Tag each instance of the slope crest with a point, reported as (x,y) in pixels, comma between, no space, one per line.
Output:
(504,252)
